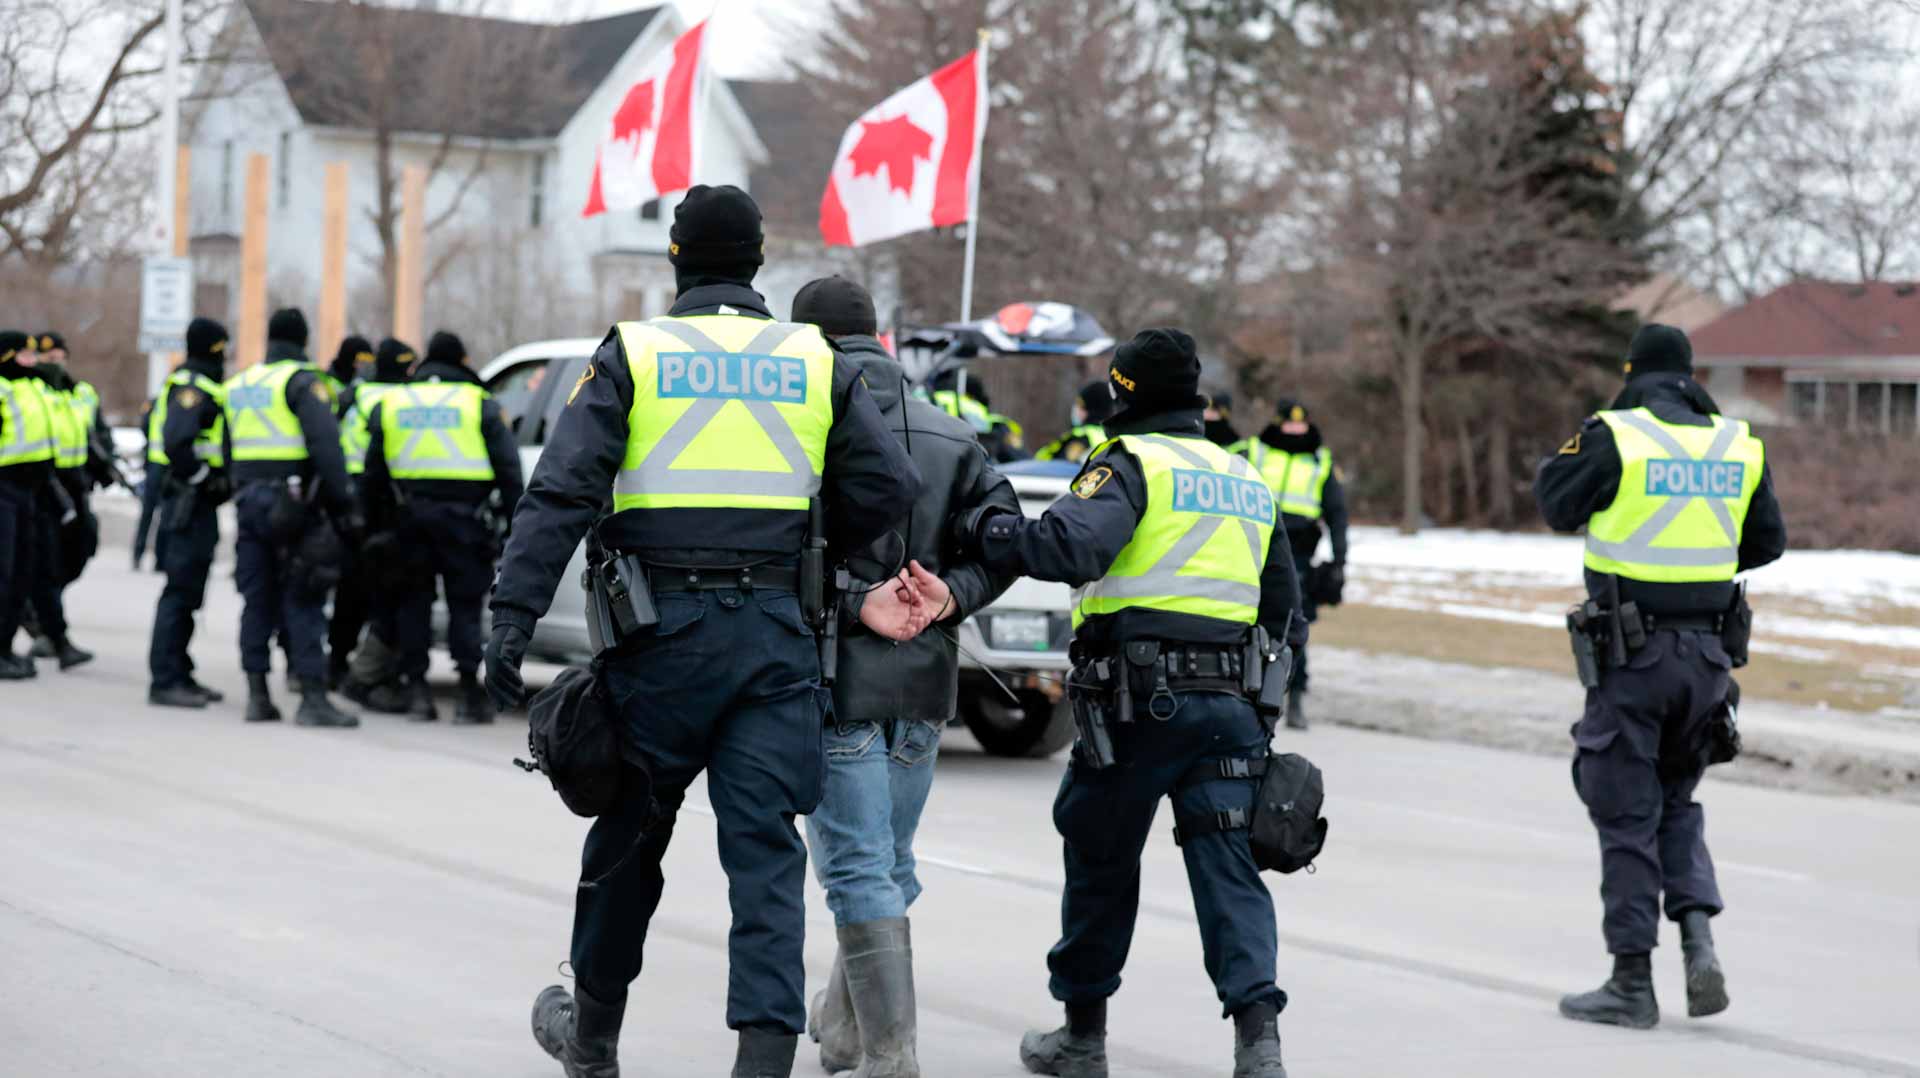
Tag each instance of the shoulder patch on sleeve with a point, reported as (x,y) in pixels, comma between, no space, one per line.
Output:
(1572,447)
(1091,481)
(187,398)
(322,391)
(585,377)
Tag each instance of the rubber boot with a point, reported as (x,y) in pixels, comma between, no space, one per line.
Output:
(1625,1000)
(1075,1050)
(260,701)
(473,708)
(420,701)
(1296,709)
(317,710)
(579,1031)
(43,647)
(1256,1042)
(69,655)
(765,1052)
(1706,983)
(831,1024)
(879,971)
(392,697)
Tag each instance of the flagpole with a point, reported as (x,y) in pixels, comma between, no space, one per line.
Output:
(973,180)
(702,100)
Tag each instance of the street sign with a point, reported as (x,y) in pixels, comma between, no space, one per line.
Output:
(166,303)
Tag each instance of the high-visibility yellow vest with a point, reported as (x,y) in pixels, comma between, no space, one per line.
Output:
(728,412)
(431,430)
(86,400)
(966,408)
(1298,480)
(69,437)
(209,445)
(263,422)
(355,434)
(1201,544)
(27,435)
(1682,502)
(1091,434)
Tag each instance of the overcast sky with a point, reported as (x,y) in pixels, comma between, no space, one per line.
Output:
(747,39)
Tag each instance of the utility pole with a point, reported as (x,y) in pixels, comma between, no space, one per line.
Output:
(166,243)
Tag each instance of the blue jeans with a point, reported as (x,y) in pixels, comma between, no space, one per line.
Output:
(861,836)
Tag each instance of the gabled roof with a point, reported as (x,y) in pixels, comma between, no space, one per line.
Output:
(1818,319)
(312,48)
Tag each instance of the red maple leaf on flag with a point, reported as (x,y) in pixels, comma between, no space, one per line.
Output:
(894,145)
(635,113)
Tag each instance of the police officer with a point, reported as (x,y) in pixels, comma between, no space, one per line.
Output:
(1090,408)
(352,361)
(1168,540)
(1676,499)
(26,466)
(1219,419)
(378,373)
(69,534)
(709,430)
(437,447)
(1297,464)
(190,414)
(285,443)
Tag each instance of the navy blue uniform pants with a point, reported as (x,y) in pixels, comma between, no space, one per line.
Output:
(186,558)
(43,589)
(272,599)
(19,542)
(1653,835)
(729,684)
(1302,565)
(1105,817)
(457,549)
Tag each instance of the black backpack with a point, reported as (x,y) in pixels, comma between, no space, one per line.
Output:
(574,741)
(1285,827)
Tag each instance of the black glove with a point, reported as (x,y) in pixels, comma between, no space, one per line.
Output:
(969,528)
(1336,583)
(1297,631)
(505,650)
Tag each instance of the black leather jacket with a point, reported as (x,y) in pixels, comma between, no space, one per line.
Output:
(879,679)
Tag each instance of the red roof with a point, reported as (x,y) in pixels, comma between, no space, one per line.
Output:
(1818,319)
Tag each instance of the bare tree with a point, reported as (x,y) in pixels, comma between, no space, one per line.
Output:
(78,82)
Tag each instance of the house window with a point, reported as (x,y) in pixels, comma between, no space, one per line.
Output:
(1803,400)
(537,189)
(283,179)
(1836,403)
(1870,402)
(226,177)
(1903,399)
(650,210)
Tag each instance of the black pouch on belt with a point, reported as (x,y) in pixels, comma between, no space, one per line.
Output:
(573,739)
(1737,627)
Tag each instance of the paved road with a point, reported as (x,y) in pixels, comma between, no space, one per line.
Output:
(186,895)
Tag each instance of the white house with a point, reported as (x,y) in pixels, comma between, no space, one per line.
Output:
(515,259)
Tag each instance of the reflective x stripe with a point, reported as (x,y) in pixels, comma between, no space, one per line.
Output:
(408,457)
(1164,577)
(657,475)
(1639,547)
(275,438)
(16,445)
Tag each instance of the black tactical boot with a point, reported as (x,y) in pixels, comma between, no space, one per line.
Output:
(213,696)
(1296,709)
(1256,1042)
(1625,1000)
(259,701)
(16,667)
(831,1024)
(393,697)
(420,701)
(1075,1050)
(69,655)
(473,706)
(879,972)
(765,1052)
(175,696)
(1706,984)
(317,710)
(579,1031)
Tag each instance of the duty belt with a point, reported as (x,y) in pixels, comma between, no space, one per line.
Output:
(741,578)
(1186,669)
(1685,623)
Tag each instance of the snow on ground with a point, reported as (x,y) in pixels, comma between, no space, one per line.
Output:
(1476,574)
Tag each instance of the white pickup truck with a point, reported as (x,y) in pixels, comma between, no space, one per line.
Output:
(1013,656)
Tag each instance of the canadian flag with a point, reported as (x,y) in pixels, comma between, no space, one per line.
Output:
(647,150)
(910,163)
